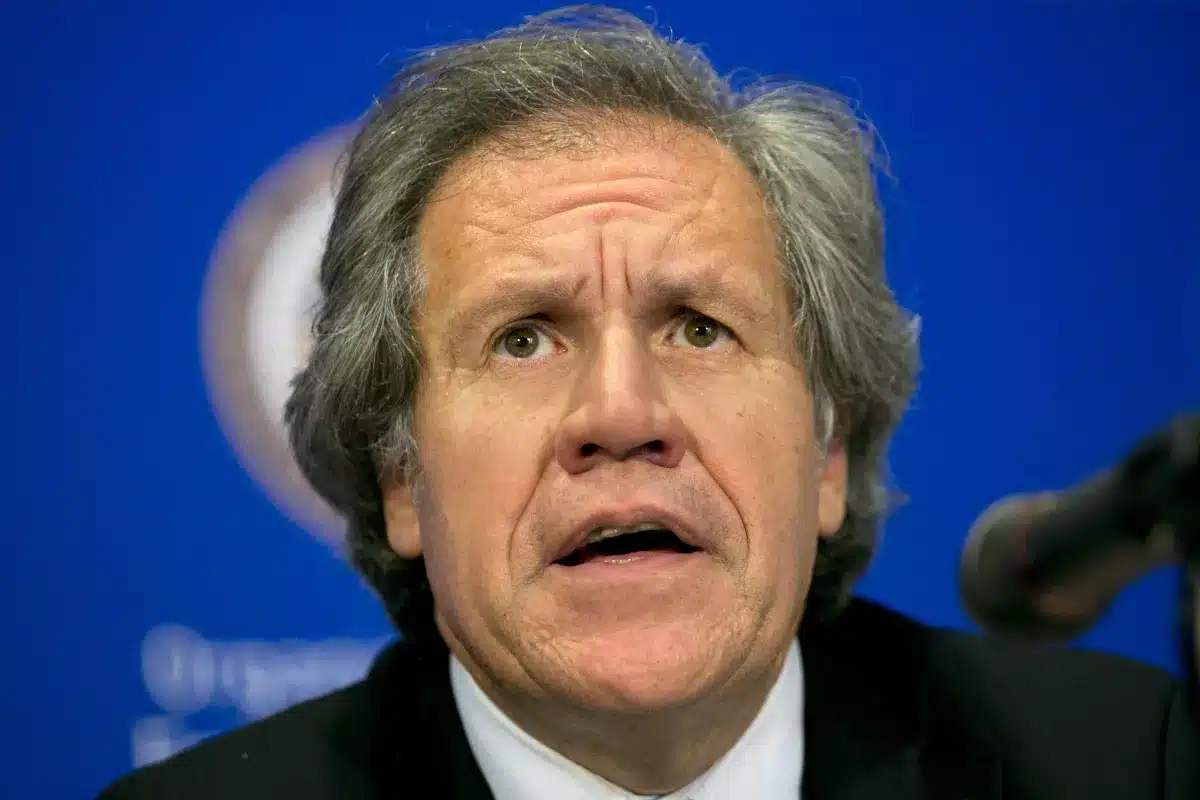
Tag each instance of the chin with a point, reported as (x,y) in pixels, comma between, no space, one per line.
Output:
(647,669)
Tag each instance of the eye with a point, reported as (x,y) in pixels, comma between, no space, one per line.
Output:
(699,331)
(523,342)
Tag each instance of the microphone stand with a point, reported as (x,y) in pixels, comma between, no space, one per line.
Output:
(1189,635)
(1170,488)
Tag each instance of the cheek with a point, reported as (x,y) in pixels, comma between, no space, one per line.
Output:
(481,466)
(778,499)
(464,557)
(762,455)
(492,454)
(784,497)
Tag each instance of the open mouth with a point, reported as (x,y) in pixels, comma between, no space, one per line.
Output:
(626,545)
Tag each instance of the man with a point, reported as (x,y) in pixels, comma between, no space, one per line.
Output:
(603,379)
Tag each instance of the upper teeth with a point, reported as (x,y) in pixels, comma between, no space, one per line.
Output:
(600,534)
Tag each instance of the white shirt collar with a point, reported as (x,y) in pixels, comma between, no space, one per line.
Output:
(766,763)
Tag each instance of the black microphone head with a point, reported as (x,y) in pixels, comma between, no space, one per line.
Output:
(992,581)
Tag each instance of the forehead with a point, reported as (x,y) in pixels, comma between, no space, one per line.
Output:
(668,189)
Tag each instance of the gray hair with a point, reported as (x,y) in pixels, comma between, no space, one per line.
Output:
(813,158)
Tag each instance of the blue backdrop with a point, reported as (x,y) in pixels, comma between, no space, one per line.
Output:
(1043,223)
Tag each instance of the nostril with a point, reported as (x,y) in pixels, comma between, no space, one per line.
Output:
(657,450)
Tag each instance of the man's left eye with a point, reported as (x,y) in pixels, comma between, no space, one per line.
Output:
(697,330)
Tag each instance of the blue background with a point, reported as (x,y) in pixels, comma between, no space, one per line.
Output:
(1044,224)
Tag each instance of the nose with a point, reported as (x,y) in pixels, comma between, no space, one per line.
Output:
(619,413)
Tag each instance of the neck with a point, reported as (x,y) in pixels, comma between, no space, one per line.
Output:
(651,752)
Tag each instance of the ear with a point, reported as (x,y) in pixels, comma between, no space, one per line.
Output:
(831,493)
(400,513)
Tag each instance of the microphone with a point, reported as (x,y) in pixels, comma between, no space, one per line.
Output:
(1046,566)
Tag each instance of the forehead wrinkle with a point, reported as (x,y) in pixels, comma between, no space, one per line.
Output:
(650,192)
(601,201)
(688,220)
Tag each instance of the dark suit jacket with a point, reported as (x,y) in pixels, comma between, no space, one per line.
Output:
(893,710)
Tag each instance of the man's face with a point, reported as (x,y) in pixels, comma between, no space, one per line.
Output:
(608,343)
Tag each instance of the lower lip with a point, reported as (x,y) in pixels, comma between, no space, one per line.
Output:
(642,565)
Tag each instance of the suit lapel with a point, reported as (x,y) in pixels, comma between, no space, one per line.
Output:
(873,725)
(420,748)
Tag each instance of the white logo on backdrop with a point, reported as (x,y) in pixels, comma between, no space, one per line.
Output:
(188,675)
(256,320)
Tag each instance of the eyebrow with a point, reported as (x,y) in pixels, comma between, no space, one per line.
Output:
(515,296)
(704,287)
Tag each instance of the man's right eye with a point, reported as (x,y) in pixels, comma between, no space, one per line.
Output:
(523,342)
